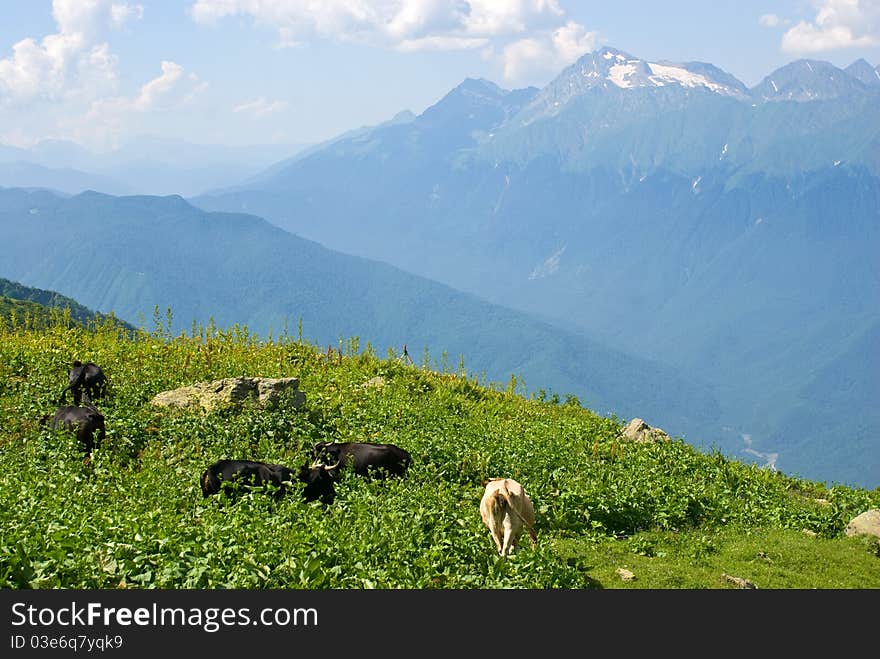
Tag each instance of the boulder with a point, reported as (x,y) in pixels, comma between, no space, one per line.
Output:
(868,523)
(739,582)
(639,431)
(209,396)
(625,574)
(377,382)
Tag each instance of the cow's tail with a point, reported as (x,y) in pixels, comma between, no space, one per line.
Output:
(533,537)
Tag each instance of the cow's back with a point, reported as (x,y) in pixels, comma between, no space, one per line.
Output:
(505,505)
(365,458)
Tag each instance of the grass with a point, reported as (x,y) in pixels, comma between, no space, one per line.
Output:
(134,517)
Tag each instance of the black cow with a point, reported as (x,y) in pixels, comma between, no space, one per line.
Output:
(247,473)
(87,422)
(319,482)
(85,378)
(364,458)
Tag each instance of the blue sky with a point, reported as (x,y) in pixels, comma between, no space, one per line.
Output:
(101,72)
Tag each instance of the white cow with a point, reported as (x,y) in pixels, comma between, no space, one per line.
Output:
(506,509)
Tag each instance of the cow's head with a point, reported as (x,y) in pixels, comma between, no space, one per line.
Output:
(77,373)
(318,479)
(324,450)
(210,483)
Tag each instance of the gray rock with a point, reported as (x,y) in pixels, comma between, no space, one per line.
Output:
(739,582)
(639,431)
(625,574)
(209,396)
(868,523)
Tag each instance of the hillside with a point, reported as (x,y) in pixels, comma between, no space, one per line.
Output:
(661,207)
(133,255)
(674,517)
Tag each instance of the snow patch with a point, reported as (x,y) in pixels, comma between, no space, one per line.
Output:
(775,88)
(619,73)
(549,266)
(696,183)
(723,151)
(664,73)
(760,220)
(836,163)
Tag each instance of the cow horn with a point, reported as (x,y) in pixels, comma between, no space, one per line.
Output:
(332,467)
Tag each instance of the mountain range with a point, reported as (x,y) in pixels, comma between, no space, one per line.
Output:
(137,255)
(655,238)
(664,208)
(146,165)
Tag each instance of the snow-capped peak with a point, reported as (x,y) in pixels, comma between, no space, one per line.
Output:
(611,69)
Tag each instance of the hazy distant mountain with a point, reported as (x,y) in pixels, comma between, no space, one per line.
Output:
(728,231)
(146,165)
(71,181)
(864,72)
(807,80)
(129,254)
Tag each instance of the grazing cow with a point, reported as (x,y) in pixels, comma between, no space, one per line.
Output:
(244,472)
(319,482)
(87,422)
(85,378)
(506,509)
(365,458)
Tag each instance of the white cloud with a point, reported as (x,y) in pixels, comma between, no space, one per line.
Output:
(837,24)
(157,89)
(545,53)
(73,62)
(120,14)
(389,23)
(524,37)
(260,107)
(108,119)
(769,20)
(67,84)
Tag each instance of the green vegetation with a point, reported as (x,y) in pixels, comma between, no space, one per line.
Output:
(134,516)
(34,308)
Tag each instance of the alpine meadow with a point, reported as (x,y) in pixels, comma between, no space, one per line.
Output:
(661,513)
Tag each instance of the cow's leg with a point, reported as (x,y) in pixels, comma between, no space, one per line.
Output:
(509,536)
(497,533)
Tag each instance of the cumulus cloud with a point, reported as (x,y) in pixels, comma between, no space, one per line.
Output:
(525,37)
(164,89)
(71,62)
(545,52)
(260,107)
(386,22)
(107,119)
(120,14)
(389,22)
(67,84)
(837,24)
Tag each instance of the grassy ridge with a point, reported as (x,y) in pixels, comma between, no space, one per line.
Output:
(135,516)
(34,307)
